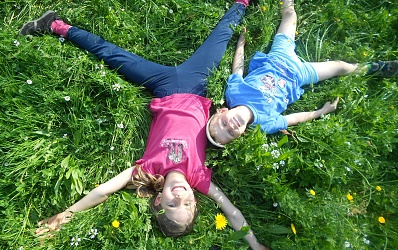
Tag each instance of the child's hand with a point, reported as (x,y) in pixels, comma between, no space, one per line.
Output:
(330,107)
(53,224)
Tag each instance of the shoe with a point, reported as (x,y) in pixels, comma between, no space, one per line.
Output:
(39,26)
(384,69)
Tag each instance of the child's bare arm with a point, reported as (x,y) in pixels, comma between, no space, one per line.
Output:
(234,216)
(294,119)
(95,197)
(238,64)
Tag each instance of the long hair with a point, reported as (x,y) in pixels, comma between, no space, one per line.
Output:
(148,185)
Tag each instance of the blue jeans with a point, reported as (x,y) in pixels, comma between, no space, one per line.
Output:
(188,77)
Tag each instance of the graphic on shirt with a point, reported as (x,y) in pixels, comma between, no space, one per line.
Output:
(175,149)
(269,87)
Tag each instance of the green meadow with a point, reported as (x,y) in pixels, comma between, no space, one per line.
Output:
(69,123)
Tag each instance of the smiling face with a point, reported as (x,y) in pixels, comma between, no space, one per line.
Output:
(177,199)
(228,125)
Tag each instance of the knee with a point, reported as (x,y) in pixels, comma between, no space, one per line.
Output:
(345,68)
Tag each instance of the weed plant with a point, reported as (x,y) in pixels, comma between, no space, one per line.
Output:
(69,123)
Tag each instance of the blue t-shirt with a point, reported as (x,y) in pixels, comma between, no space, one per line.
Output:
(268,88)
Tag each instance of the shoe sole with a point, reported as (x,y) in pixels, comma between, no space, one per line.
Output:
(30,27)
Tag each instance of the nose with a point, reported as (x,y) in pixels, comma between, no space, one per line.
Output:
(179,195)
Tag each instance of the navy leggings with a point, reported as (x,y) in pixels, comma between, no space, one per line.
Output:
(188,77)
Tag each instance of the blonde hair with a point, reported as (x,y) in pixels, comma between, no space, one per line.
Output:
(146,184)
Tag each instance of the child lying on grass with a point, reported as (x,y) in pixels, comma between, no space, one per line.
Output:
(274,81)
(173,162)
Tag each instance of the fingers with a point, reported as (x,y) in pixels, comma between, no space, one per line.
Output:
(336,101)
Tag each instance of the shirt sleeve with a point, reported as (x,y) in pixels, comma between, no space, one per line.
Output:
(275,124)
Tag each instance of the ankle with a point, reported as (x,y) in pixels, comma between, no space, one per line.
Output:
(60,27)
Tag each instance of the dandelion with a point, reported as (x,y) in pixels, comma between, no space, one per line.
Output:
(365,53)
(67,98)
(16,43)
(115,224)
(350,198)
(93,232)
(312,192)
(75,241)
(281,2)
(221,222)
(378,188)
(381,220)
(29,81)
(120,125)
(116,87)
(347,244)
(264,8)
(293,228)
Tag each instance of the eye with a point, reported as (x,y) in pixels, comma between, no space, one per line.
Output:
(224,123)
(172,205)
(188,204)
(231,133)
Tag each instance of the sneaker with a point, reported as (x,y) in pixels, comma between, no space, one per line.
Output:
(39,26)
(384,68)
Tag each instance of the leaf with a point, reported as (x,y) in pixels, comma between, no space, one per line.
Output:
(277,229)
(283,141)
(65,162)
(239,234)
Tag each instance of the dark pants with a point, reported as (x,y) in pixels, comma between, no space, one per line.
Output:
(188,77)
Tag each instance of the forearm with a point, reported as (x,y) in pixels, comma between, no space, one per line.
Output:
(92,199)
(238,63)
(238,221)
(296,118)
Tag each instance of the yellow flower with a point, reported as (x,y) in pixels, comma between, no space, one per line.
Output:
(221,222)
(382,220)
(96,185)
(264,8)
(378,188)
(312,192)
(281,2)
(115,224)
(350,198)
(293,228)
(364,53)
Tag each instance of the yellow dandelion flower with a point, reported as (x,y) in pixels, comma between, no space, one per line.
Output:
(281,2)
(392,107)
(378,188)
(296,32)
(221,222)
(115,224)
(312,192)
(293,228)
(382,220)
(350,198)
(264,8)
(364,53)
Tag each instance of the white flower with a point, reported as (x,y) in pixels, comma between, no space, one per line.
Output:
(171,11)
(67,98)
(16,43)
(116,86)
(348,169)
(275,204)
(275,166)
(111,148)
(75,241)
(366,241)
(282,163)
(347,244)
(93,232)
(65,136)
(103,73)
(264,146)
(274,144)
(120,125)
(275,153)
(29,81)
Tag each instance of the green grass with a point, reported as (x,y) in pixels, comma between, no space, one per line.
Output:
(54,151)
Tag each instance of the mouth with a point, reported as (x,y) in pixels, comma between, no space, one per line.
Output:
(236,122)
(179,188)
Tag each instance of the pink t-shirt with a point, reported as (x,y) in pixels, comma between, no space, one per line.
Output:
(177,139)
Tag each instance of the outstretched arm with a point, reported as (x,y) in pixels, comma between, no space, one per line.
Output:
(294,119)
(235,217)
(95,197)
(238,64)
